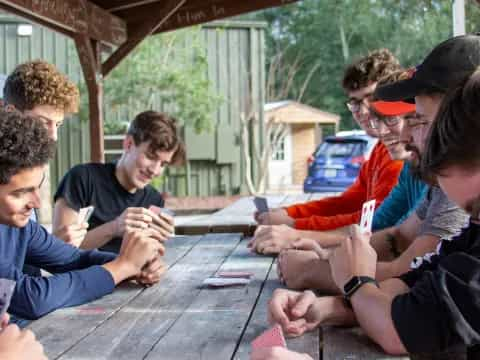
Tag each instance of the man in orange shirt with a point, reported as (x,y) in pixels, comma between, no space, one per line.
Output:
(376,179)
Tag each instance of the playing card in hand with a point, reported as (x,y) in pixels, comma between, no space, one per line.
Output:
(261,204)
(270,338)
(6,291)
(368,209)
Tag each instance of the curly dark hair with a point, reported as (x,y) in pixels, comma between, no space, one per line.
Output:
(161,131)
(24,144)
(369,69)
(39,83)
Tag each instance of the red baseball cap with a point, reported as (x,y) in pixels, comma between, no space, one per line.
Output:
(392,108)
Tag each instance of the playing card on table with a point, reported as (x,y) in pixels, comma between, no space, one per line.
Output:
(221,282)
(271,337)
(235,274)
(6,291)
(85,213)
(261,204)
(368,209)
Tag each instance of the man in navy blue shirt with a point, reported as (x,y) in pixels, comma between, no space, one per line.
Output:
(78,276)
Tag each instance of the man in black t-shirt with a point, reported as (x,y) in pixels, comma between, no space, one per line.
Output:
(436,306)
(121,192)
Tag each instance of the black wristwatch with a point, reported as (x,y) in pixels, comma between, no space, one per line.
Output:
(355,283)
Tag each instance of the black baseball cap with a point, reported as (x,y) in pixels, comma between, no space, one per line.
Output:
(447,65)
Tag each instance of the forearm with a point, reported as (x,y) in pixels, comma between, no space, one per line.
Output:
(119,270)
(326,238)
(99,236)
(335,312)
(372,308)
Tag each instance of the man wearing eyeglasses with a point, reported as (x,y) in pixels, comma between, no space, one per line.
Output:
(376,179)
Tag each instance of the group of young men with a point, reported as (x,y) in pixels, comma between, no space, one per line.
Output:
(124,237)
(412,284)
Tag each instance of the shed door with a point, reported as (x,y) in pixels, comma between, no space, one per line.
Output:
(280,166)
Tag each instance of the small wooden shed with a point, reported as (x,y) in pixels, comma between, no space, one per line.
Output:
(288,165)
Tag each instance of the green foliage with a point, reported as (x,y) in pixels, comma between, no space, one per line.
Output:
(334,33)
(166,72)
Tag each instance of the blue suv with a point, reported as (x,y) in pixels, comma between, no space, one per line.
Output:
(335,164)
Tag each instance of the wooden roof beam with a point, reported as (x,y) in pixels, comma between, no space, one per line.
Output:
(72,17)
(136,33)
(199,12)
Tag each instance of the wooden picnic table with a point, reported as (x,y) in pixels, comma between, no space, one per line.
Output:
(180,319)
(238,217)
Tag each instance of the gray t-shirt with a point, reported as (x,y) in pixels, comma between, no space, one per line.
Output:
(440,217)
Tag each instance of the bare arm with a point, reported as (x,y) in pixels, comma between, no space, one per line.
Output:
(372,308)
(398,246)
(326,238)
(63,216)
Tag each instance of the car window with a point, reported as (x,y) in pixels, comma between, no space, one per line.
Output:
(331,149)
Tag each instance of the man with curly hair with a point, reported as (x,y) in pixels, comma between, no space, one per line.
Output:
(376,178)
(39,89)
(78,276)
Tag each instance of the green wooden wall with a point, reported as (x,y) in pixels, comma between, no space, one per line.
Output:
(235,52)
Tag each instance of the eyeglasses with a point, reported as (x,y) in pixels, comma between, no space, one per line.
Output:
(416,121)
(354,105)
(389,121)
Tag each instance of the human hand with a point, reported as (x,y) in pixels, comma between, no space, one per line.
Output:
(271,239)
(294,268)
(296,312)
(277,353)
(16,344)
(4,321)
(132,218)
(163,224)
(311,245)
(274,217)
(138,249)
(73,234)
(152,272)
(354,257)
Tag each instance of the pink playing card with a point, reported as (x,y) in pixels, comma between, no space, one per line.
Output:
(235,274)
(157,210)
(271,337)
(368,209)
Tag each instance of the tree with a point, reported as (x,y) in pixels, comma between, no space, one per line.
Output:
(334,33)
(166,72)
(258,152)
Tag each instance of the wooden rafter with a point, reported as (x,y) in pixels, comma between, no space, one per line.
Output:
(89,56)
(136,33)
(72,17)
(196,12)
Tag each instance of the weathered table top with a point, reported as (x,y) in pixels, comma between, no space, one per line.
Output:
(177,318)
(238,217)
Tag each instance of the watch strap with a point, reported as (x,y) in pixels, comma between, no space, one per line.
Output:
(362,280)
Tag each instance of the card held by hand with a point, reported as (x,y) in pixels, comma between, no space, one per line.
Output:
(261,204)
(368,209)
(270,338)
(6,291)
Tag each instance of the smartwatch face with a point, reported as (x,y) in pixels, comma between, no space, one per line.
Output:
(351,284)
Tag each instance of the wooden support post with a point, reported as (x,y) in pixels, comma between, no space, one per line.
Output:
(89,55)
(159,15)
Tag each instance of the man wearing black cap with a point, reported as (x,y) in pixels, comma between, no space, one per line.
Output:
(416,313)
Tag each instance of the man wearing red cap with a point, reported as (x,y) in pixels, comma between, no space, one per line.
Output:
(376,179)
